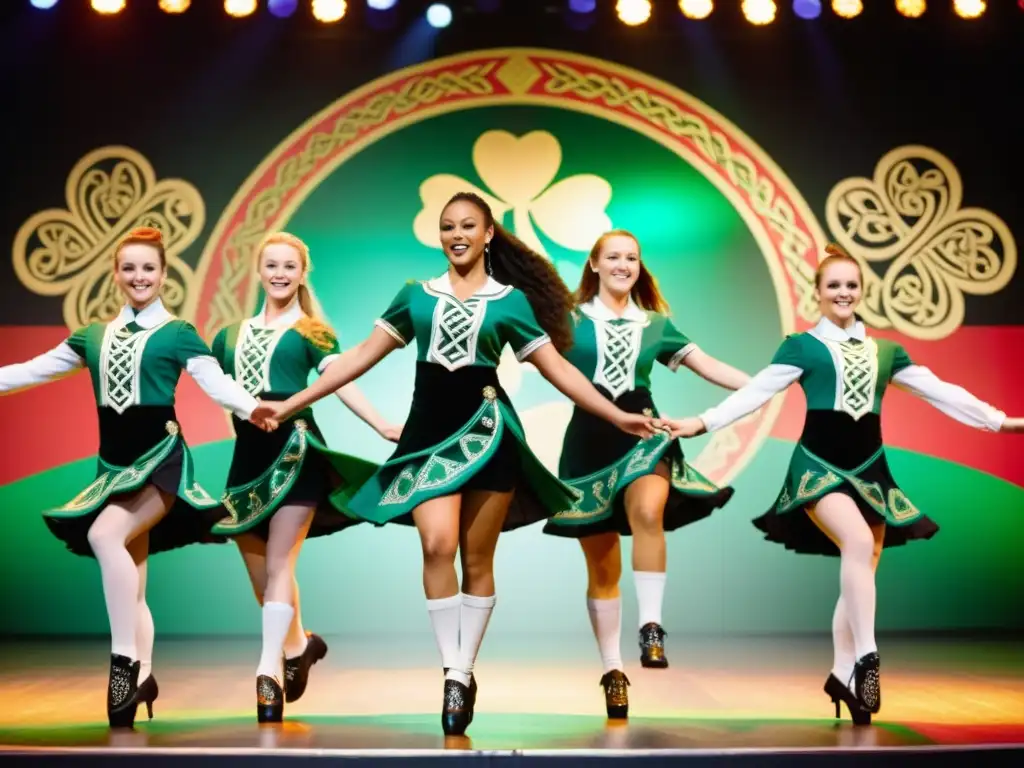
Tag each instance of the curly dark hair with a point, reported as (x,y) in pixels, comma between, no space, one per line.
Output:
(513,263)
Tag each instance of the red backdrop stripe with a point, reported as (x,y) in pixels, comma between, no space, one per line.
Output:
(48,426)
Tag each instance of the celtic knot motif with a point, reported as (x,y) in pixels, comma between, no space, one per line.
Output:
(795,244)
(908,218)
(860,371)
(618,350)
(453,342)
(360,119)
(109,191)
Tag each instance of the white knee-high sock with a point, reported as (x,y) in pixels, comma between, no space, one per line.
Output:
(650,594)
(857,585)
(276,618)
(606,619)
(121,594)
(445,617)
(144,636)
(474,617)
(843,657)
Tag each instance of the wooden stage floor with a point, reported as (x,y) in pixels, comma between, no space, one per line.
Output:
(536,694)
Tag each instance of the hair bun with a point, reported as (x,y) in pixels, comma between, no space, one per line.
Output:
(835,249)
(146,235)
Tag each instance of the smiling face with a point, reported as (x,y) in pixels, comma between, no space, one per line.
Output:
(464,234)
(839,291)
(281,272)
(617,265)
(139,273)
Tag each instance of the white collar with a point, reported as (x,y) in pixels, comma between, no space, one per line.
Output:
(826,329)
(598,310)
(286,319)
(151,316)
(492,289)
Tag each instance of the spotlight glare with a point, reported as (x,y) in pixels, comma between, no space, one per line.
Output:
(847,9)
(380,5)
(807,9)
(759,12)
(239,8)
(912,9)
(329,11)
(696,9)
(43,5)
(969,9)
(174,6)
(587,6)
(633,12)
(439,15)
(108,6)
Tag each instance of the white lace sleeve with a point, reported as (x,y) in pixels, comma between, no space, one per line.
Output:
(59,361)
(763,387)
(220,387)
(952,400)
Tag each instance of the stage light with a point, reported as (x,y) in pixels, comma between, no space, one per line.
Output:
(328,11)
(633,12)
(43,5)
(587,6)
(282,8)
(911,8)
(381,5)
(696,9)
(439,15)
(848,9)
(759,12)
(807,9)
(174,6)
(969,9)
(239,8)
(108,6)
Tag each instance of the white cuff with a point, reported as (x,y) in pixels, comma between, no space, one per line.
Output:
(390,330)
(532,347)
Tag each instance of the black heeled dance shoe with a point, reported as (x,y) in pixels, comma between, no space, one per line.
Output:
(122,691)
(652,646)
(269,700)
(148,691)
(616,695)
(296,671)
(472,695)
(868,682)
(457,711)
(838,692)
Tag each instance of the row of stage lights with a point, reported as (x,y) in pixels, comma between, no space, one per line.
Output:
(630,12)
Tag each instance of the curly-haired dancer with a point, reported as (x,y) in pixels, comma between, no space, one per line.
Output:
(463,472)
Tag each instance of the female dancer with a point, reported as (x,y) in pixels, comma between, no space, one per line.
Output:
(278,484)
(839,474)
(462,472)
(144,499)
(629,487)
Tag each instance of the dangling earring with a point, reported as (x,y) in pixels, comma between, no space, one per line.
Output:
(487,258)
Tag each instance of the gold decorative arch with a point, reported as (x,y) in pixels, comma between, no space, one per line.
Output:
(65,251)
(779,219)
(907,220)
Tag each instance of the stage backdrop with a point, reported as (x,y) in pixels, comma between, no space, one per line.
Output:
(564,145)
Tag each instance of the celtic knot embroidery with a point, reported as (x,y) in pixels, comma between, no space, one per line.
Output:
(120,363)
(618,347)
(456,328)
(252,358)
(859,374)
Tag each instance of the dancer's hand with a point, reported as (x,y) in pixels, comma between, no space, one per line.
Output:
(266,416)
(636,424)
(1012,425)
(690,427)
(391,432)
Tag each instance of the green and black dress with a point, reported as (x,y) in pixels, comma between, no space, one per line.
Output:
(291,465)
(844,375)
(599,460)
(462,432)
(135,362)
